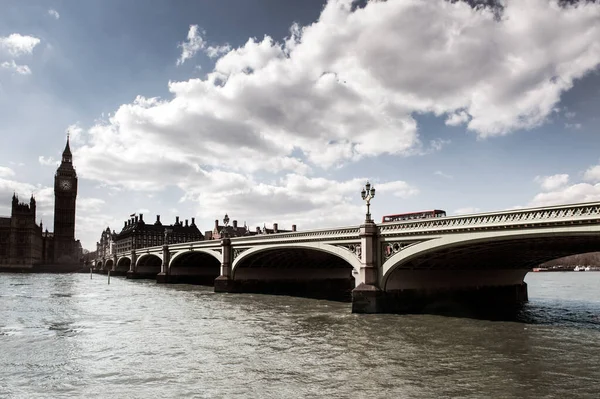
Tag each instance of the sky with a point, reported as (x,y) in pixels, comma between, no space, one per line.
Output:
(280,111)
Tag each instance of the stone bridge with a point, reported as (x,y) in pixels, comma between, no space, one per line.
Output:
(407,266)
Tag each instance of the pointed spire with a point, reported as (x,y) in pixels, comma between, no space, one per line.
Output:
(67,151)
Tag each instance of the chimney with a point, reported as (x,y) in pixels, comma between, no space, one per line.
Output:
(293,227)
(275,228)
(125,224)
(235,224)
(257,230)
(217,224)
(186,223)
(177,220)
(193,221)
(157,218)
(136,218)
(141,217)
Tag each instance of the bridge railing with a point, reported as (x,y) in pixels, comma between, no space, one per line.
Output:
(561,214)
(546,216)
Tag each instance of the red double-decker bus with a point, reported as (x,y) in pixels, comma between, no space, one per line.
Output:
(436,213)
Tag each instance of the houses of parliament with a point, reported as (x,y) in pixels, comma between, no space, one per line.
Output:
(26,245)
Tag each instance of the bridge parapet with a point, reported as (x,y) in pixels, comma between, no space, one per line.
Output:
(587,213)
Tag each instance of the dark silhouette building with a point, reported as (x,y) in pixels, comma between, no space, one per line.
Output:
(24,244)
(20,236)
(241,231)
(65,196)
(136,233)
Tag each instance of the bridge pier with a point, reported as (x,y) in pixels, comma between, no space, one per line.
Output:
(131,274)
(367,296)
(475,301)
(163,276)
(224,283)
(479,293)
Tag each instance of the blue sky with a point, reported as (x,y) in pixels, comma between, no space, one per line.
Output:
(279,111)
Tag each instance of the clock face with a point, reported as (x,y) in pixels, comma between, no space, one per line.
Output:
(65,184)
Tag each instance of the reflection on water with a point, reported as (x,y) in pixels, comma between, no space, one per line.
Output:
(69,336)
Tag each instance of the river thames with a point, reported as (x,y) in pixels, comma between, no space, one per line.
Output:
(65,336)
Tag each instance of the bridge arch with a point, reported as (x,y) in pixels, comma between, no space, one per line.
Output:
(123,264)
(198,266)
(301,269)
(483,258)
(108,265)
(148,265)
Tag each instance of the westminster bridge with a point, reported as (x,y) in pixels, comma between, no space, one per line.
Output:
(400,267)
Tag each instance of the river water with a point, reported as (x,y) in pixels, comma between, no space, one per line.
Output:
(72,336)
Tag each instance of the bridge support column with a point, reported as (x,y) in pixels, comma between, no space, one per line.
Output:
(163,276)
(114,266)
(224,283)
(478,293)
(367,296)
(132,267)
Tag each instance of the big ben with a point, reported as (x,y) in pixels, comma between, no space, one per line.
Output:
(65,195)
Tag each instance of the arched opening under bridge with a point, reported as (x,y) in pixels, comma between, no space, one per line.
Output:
(108,265)
(482,276)
(194,267)
(304,272)
(147,266)
(123,266)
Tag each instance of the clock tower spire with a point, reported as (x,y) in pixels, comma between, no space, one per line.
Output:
(65,195)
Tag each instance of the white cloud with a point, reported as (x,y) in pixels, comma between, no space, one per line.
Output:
(580,192)
(215,51)
(337,91)
(442,174)
(6,172)
(549,183)
(570,115)
(466,211)
(592,174)
(558,192)
(13,46)
(457,118)
(75,133)
(54,13)
(293,199)
(17,44)
(575,126)
(50,161)
(20,69)
(194,43)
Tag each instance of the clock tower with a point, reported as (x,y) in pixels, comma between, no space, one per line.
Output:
(65,194)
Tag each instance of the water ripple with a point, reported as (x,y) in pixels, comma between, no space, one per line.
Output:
(69,336)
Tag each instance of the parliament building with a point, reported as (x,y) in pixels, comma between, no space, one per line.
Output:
(25,245)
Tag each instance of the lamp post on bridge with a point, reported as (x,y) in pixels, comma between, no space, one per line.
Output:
(163,276)
(367,194)
(366,297)
(168,233)
(223,232)
(224,282)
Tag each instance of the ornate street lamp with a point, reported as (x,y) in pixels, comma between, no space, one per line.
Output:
(367,195)
(225,223)
(168,232)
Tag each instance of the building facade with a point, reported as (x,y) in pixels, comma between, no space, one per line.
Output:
(24,244)
(240,231)
(20,237)
(136,234)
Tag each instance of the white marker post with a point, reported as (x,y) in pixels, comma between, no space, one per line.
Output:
(109,277)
